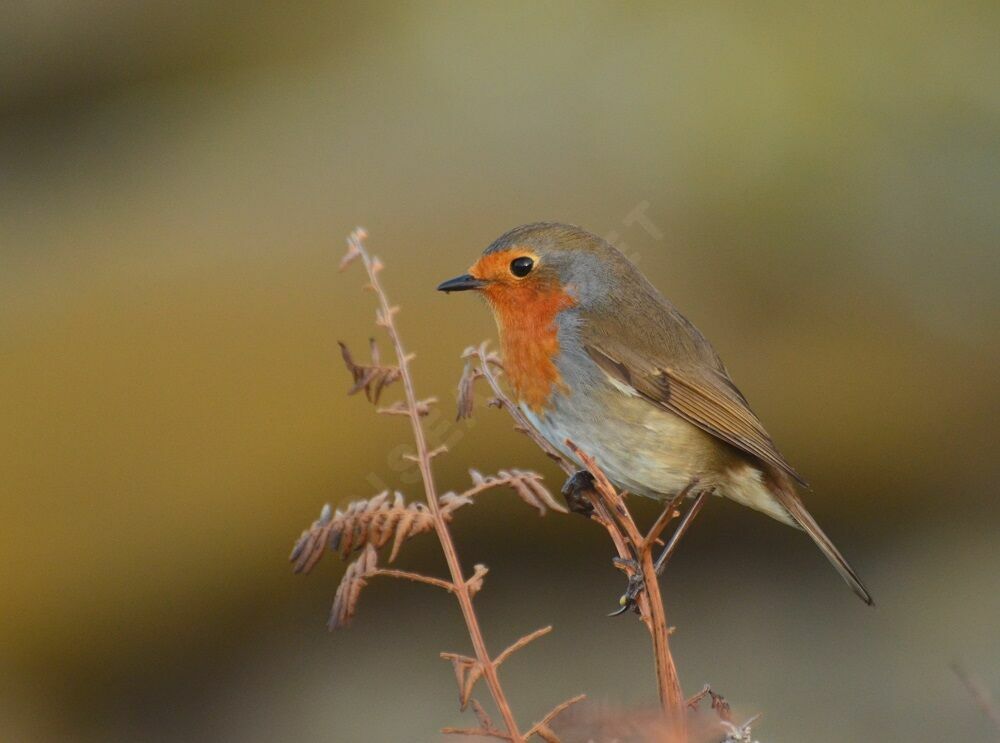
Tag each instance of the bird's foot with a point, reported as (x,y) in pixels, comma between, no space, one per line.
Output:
(575,492)
(636,585)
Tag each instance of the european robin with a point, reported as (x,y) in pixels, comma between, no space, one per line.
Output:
(595,354)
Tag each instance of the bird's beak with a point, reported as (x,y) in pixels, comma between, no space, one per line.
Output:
(461,284)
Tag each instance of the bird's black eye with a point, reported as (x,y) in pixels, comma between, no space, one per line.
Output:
(522,266)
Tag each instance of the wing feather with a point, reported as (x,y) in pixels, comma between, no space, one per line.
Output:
(710,401)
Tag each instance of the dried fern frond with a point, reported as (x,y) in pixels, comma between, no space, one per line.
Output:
(374,521)
(345,601)
(466,390)
(469,670)
(475,581)
(354,242)
(484,719)
(486,729)
(472,372)
(373,378)
(527,484)
(421,408)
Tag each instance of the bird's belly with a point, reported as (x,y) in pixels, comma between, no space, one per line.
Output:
(642,448)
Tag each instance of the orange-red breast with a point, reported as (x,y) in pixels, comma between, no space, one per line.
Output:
(595,354)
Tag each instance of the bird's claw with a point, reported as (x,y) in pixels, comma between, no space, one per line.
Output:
(575,492)
(636,585)
(624,607)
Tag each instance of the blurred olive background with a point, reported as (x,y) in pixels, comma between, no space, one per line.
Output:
(816,187)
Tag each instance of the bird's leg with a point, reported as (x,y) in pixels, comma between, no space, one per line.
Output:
(636,582)
(675,538)
(575,492)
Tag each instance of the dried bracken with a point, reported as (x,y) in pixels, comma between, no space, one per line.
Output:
(345,601)
(369,525)
(466,391)
(374,521)
(528,486)
(356,577)
(373,378)
(469,670)
(542,729)
(719,704)
(386,516)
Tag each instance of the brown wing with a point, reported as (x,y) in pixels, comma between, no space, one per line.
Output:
(706,397)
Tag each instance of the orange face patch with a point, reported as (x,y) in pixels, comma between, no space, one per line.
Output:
(525,310)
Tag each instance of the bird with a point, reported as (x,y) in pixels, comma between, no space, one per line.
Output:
(595,354)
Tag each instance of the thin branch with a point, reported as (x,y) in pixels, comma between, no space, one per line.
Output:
(547,734)
(555,712)
(719,705)
(416,578)
(612,500)
(475,582)
(484,719)
(520,643)
(528,486)
(666,516)
(469,670)
(474,732)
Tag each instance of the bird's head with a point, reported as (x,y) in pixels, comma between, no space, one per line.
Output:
(531,277)
(540,267)
(535,276)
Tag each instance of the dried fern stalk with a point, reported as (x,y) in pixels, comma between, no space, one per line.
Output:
(371,524)
(384,318)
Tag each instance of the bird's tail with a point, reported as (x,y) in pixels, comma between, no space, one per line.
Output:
(784,491)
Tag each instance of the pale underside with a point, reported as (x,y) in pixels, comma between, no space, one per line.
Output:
(649,451)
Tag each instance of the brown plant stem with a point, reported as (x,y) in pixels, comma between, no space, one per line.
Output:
(650,600)
(633,548)
(542,726)
(423,460)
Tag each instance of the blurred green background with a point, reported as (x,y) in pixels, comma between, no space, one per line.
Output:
(819,190)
